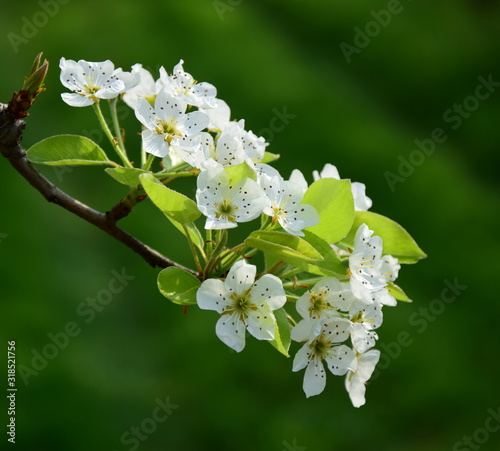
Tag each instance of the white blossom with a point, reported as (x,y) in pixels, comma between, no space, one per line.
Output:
(91,81)
(365,263)
(182,84)
(219,116)
(243,303)
(147,87)
(225,204)
(322,341)
(167,122)
(325,299)
(365,319)
(356,380)
(285,205)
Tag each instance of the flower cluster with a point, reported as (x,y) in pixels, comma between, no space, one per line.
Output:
(324,251)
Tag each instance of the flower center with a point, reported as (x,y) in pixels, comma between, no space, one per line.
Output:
(318,304)
(242,302)
(226,210)
(169,129)
(320,347)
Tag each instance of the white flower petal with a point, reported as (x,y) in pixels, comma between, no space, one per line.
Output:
(154,143)
(168,107)
(212,295)
(219,115)
(231,330)
(301,359)
(337,330)
(260,323)
(361,201)
(269,289)
(145,114)
(77,100)
(193,123)
(307,329)
(314,378)
(355,382)
(240,277)
(298,178)
(341,360)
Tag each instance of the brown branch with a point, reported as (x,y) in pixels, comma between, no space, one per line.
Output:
(10,138)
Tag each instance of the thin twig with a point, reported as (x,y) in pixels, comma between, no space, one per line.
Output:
(10,137)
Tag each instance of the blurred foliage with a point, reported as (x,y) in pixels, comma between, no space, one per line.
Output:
(262,56)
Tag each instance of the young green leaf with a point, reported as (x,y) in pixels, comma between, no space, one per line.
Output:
(125,176)
(282,329)
(397,293)
(397,241)
(240,171)
(330,265)
(193,231)
(178,285)
(67,150)
(269,157)
(333,200)
(175,205)
(286,247)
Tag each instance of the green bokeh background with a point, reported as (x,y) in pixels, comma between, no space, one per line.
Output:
(362,116)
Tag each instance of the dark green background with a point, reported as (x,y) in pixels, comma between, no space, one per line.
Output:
(362,116)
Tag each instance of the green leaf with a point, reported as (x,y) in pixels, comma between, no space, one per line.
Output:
(333,200)
(282,330)
(126,176)
(397,293)
(193,232)
(330,265)
(269,157)
(67,150)
(286,247)
(178,285)
(240,171)
(397,241)
(175,205)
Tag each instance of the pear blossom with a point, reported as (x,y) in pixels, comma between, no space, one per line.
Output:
(325,299)
(91,81)
(147,87)
(365,319)
(225,204)
(253,145)
(243,303)
(355,380)
(322,341)
(181,84)
(365,263)
(219,116)
(297,177)
(167,122)
(226,151)
(285,205)
(361,201)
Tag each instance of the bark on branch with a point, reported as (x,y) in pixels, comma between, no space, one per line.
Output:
(10,138)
